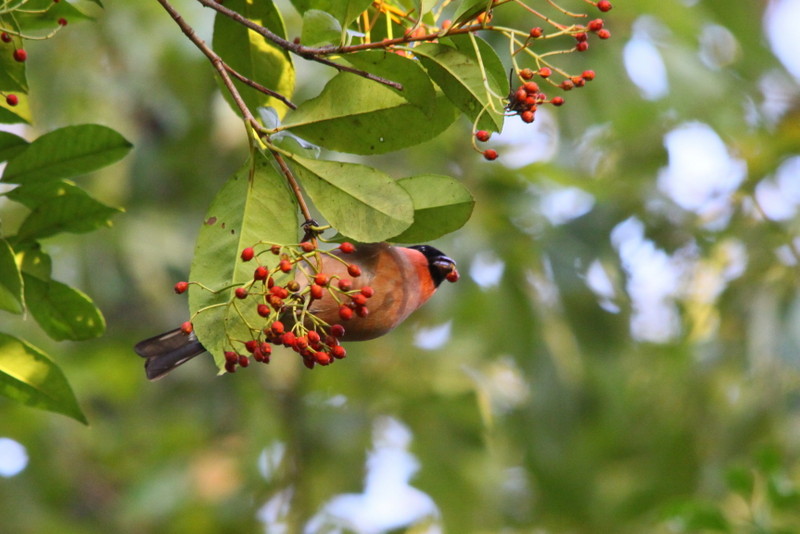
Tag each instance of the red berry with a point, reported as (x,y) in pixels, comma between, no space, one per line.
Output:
(581,37)
(12,100)
(260,273)
(527,116)
(301,342)
(265,348)
(251,345)
(557,101)
(244,361)
(316,291)
(345,313)
(187,327)
(309,363)
(452,276)
(240,293)
(62,21)
(231,366)
(313,336)
(338,352)
(345,284)
(263,310)
(321,279)
(277,327)
(545,72)
(347,247)
(490,154)
(583,46)
(595,25)
(231,357)
(362,311)
(20,55)
(604,34)
(536,32)
(354,270)
(531,87)
(577,81)
(566,85)
(248,253)
(181,287)
(604,5)
(337,330)
(482,135)
(359,299)
(520,94)
(288,339)
(285,266)
(367,291)
(6,38)
(275,249)
(322,358)
(526,74)
(588,75)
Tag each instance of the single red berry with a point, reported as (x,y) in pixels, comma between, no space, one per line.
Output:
(490,154)
(338,352)
(6,38)
(581,37)
(321,279)
(257,355)
(285,266)
(248,253)
(345,313)
(557,101)
(337,330)
(231,366)
(362,311)
(240,293)
(275,301)
(566,85)
(577,81)
(359,299)
(583,46)
(520,94)
(527,116)
(263,310)
(452,276)
(482,135)
(367,291)
(347,247)
(345,284)
(20,55)
(307,246)
(277,327)
(354,270)
(531,87)
(275,249)
(604,6)
(309,363)
(270,282)
(531,102)
(545,72)
(62,21)
(588,75)
(313,336)
(316,291)
(536,32)
(181,287)
(322,358)
(244,361)
(265,348)
(260,273)
(231,356)
(301,342)
(526,74)
(251,345)
(595,25)
(288,339)
(604,34)
(187,327)
(280,292)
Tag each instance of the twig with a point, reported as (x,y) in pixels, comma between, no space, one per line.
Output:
(258,87)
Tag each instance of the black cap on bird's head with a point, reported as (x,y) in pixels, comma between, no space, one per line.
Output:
(439,264)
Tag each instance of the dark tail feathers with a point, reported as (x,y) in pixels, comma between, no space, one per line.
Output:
(167,351)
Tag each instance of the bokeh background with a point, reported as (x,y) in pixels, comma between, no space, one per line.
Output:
(622,354)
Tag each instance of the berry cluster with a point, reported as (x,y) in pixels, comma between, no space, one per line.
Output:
(287,308)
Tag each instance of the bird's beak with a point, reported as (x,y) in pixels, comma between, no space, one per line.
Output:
(444,265)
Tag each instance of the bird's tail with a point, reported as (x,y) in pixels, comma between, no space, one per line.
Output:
(167,351)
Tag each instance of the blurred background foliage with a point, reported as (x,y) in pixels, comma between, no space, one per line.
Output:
(621,354)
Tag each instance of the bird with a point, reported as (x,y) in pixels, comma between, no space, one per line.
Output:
(403,279)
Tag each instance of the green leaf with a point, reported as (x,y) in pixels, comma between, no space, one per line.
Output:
(253,56)
(373,119)
(34,261)
(15,114)
(345,11)
(249,208)
(320,27)
(469,9)
(59,207)
(10,145)
(10,281)
(461,78)
(29,376)
(66,152)
(417,86)
(12,72)
(495,70)
(441,205)
(62,311)
(359,201)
